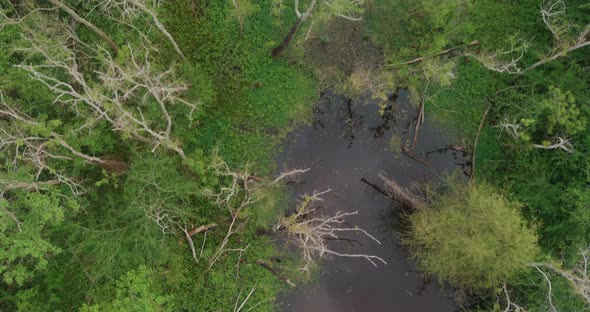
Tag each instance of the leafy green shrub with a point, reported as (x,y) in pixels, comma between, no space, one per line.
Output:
(472,237)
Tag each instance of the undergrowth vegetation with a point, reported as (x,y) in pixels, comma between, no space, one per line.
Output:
(119,245)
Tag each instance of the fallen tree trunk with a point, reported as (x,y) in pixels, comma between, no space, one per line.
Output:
(395,192)
(450,147)
(377,188)
(412,155)
(447,51)
(481,124)
(275,273)
(401,195)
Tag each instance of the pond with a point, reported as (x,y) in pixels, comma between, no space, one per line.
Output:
(347,141)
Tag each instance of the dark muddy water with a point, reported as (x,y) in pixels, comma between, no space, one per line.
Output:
(345,143)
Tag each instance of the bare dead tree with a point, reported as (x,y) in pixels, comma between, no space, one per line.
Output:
(7,185)
(582,41)
(441,53)
(239,308)
(550,290)
(236,196)
(18,19)
(311,229)
(31,10)
(240,191)
(25,147)
(513,129)
(278,51)
(504,61)
(559,143)
(130,9)
(554,17)
(189,239)
(135,81)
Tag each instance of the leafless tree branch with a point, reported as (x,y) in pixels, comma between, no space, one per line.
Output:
(289,174)
(550,291)
(560,144)
(77,18)
(310,230)
(499,62)
(134,81)
(576,276)
(133,8)
(510,305)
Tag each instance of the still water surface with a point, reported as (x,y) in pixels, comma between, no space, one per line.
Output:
(348,141)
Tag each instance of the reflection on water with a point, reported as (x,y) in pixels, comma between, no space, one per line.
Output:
(345,143)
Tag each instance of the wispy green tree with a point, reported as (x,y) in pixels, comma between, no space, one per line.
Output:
(471,237)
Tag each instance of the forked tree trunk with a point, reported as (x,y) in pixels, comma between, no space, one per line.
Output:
(278,51)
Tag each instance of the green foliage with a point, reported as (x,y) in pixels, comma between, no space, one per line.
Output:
(409,29)
(563,115)
(420,30)
(135,292)
(472,237)
(241,10)
(255,98)
(529,289)
(543,104)
(118,246)
(25,247)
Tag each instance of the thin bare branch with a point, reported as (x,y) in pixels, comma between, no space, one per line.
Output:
(550,291)
(576,276)
(311,230)
(77,18)
(189,239)
(238,309)
(510,305)
(560,144)
(289,174)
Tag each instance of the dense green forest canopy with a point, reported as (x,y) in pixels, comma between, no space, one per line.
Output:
(137,141)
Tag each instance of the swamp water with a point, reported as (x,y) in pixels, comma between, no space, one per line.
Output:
(345,143)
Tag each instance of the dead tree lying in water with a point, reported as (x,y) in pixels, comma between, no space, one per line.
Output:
(395,192)
(311,229)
